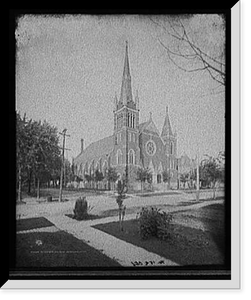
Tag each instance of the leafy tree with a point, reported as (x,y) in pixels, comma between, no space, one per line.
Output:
(143,175)
(111,175)
(221,165)
(213,171)
(46,151)
(38,151)
(21,150)
(88,177)
(98,176)
(184,177)
(166,177)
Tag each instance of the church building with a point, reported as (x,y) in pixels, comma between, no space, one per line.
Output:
(132,144)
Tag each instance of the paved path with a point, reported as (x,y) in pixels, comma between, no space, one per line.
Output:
(123,252)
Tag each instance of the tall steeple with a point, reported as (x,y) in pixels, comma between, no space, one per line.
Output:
(167,129)
(126,112)
(126,88)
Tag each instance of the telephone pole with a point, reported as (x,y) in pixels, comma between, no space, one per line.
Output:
(197,179)
(63,133)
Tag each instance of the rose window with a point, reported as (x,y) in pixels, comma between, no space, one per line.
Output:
(150,148)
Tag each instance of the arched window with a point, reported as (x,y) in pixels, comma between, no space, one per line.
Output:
(131,155)
(119,157)
(158,178)
(86,168)
(80,169)
(119,121)
(104,167)
(171,148)
(91,168)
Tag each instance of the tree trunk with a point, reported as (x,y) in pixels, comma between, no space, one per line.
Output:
(214,190)
(29,182)
(34,184)
(38,188)
(19,185)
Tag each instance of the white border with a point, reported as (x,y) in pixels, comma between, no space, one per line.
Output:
(234,283)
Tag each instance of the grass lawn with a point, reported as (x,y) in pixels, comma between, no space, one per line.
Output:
(187,246)
(55,249)
(32,223)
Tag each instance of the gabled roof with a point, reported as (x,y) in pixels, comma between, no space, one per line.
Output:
(96,150)
(149,127)
(141,126)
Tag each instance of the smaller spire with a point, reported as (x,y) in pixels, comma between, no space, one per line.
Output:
(150,116)
(167,129)
(115,101)
(137,99)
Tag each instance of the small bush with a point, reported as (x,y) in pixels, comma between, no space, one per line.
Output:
(153,222)
(81,209)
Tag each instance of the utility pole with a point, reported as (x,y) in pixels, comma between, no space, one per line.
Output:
(63,133)
(197,180)
(198,168)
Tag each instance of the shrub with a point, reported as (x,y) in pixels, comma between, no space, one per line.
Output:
(153,222)
(81,209)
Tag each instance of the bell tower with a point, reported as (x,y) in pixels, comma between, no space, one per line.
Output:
(126,121)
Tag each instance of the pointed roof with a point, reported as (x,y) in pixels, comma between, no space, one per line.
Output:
(126,72)
(115,101)
(126,88)
(149,126)
(167,128)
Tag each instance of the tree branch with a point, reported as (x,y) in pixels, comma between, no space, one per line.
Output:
(214,67)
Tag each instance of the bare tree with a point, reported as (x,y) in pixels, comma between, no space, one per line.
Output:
(194,51)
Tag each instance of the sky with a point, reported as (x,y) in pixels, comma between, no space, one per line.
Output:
(69,68)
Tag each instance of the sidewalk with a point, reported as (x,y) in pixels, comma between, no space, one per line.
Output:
(124,253)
